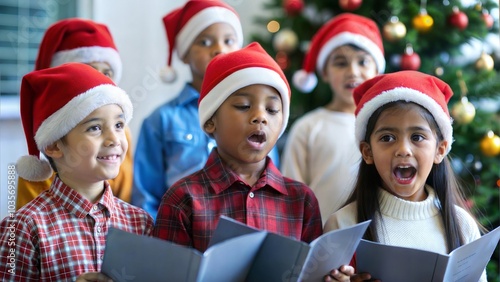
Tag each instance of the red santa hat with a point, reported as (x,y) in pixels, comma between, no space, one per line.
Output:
(343,29)
(78,40)
(227,73)
(54,101)
(411,86)
(184,24)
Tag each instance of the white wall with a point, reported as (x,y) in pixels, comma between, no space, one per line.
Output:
(138,30)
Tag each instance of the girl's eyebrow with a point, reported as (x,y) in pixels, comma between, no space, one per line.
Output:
(394,129)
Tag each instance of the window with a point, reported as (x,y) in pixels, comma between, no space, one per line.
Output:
(22,25)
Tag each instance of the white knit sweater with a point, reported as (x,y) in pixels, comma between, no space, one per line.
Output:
(409,224)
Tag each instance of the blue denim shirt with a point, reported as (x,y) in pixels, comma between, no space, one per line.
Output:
(171,145)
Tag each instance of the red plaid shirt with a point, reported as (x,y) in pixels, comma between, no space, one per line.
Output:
(190,209)
(60,235)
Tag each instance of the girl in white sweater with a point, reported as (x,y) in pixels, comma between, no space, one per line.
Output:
(405,182)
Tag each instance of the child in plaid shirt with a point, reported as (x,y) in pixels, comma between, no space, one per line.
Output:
(244,104)
(76,117)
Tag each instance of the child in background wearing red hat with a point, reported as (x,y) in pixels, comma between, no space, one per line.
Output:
(76,117)
(405,183)
(320,150)
(83,41)
(171,143)
(244,105)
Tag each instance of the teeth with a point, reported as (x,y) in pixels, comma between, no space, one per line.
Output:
(403,166)
(113,157)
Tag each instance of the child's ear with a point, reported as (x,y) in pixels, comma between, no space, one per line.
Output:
(53,150)
(209,126)
(366,152)
(440,152)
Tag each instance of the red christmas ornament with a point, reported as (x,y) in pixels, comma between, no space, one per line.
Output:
(350,5)
(283,60)
(410,60)
(458,19)
(293,7)
(488,19)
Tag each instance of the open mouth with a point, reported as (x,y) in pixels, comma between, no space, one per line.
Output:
(258,137)
(351,85)
(404,172)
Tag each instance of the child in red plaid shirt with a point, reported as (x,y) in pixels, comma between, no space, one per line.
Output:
(244,105)
(76,117)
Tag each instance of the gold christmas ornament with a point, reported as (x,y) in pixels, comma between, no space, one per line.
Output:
(394,30)
(285,40)
(490,144)
(485,62)
(463,112)
(422,22)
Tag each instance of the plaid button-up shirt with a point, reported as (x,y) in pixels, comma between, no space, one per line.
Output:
(60,234)
(190,209)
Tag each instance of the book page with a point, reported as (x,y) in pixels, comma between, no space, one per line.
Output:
(468,262)
(332,250)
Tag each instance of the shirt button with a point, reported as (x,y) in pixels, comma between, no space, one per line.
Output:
(189,136)
(98,229)
(251,195)
(95,208)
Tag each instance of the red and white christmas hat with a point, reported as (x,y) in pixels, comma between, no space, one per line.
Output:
(411,86)
(343,29)
(54,101)
(78,40)
(227,73)
(184,24)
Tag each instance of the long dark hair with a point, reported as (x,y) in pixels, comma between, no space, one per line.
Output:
(441,178)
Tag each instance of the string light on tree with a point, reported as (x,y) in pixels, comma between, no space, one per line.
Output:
(410,60)
(490,144)
(350,5)
(463,112)
(458,19)
(394,30)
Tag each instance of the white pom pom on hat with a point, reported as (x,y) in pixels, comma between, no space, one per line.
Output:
(304,81)
(184,24)
(54,101)
(343,29)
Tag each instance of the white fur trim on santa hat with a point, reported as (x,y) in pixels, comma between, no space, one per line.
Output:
(202,20)
(304,81)
(409,95)
(66,118)
(91,54)
(356,39)
(32,168)
(237,80)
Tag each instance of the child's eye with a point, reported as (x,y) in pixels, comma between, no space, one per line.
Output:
(417,137)
(205,42)
(108,73)
(273,111)
(120,125)
(229,41)
(364,62)
(387,138)
(93,128)
(339,63)
(242,107)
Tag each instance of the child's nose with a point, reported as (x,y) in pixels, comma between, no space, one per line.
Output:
(259,116)
(111,139)
(403,149)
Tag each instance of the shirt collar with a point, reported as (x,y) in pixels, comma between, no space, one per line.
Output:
(75,203)
(221,177)
(187,95)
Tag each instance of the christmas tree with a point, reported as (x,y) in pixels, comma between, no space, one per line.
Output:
(434,38)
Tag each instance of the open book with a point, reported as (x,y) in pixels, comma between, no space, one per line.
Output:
(392,263)
(236,253)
